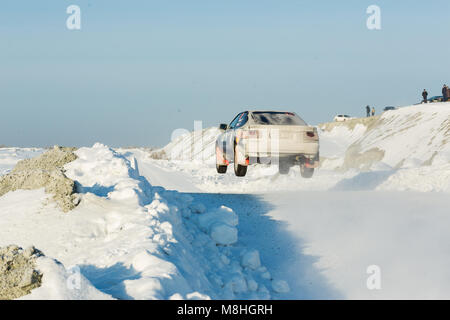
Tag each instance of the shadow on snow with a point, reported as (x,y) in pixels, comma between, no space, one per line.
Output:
(280,251)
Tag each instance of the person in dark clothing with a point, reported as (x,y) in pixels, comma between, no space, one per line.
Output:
(445,92)
(425,96)
(368,111)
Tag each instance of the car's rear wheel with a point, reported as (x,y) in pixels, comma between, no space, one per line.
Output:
(306,172)
(239,170)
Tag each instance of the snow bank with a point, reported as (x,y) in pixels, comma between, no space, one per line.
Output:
(129,240)
(405,149)
(102,171)
(335,140)
(408,137)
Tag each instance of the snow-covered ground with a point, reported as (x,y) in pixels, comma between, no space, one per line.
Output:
(175,229)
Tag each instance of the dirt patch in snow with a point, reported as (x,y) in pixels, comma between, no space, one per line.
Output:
(369,122)
(18,274)
(45,171)
(159,155)
(354,159)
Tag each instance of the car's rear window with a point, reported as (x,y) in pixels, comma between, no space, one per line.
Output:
(277,118)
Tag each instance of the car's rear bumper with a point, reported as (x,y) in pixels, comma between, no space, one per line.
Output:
(309,161)
(307,149)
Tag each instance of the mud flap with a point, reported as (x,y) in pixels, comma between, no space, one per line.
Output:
(311,164)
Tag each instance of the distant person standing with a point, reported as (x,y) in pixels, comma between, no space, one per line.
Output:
(445,92)
(373,111)
(368,111)
(425,96)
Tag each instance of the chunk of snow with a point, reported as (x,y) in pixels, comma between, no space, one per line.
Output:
(252,285)
(145,289)
(224,234)
(264,293)
(280,286)
(150,265)
(238,284)
(197,296)
(225,259)
(250,259)
(176,296)
(224,215)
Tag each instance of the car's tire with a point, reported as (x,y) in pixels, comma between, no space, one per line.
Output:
(239,170)
(221,168)
(283,167)
(306,172)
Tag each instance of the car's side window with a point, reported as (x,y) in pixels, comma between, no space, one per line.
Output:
(235,120)
(242,120)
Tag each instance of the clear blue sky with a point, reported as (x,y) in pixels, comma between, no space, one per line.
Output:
(137,70)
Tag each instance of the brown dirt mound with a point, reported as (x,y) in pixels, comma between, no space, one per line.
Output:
(18,274)
(45,171)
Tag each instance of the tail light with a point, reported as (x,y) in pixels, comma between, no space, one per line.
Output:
(312,134)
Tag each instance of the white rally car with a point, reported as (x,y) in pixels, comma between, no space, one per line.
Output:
(267,137)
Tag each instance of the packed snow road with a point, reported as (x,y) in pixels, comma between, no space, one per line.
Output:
(332,244)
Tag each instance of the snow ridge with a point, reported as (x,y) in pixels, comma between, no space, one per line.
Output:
(187,252)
